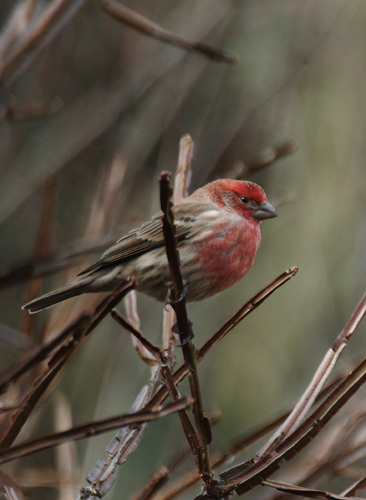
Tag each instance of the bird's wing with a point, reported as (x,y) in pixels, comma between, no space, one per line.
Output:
(149,235)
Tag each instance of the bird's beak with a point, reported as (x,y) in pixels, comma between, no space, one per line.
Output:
(264,211)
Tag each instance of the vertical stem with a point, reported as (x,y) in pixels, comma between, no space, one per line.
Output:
(184,325)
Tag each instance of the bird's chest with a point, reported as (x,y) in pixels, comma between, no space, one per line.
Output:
(229,254)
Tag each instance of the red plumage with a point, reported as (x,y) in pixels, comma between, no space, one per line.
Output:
(218,234)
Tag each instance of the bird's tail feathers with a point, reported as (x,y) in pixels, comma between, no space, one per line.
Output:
(52,298)
(95,282)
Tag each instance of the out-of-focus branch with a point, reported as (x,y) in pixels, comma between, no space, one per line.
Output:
(358,485)
(41,249)
(147,27)
(39,33)
(268,156)
(51,263)
(82,328)
(14,112)
(36,355)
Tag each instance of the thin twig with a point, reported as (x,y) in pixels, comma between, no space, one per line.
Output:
(239,447)
(162,475)
(92,429)
(37,355)
(268,156)
(153,349)
(82,328)
(245,476)
(305,492)
(177,287)
(48,24)
(53,262)
(188,428)
(183,172)
(358,485)
(246,309)
(147,27)
(42,247)
(318,381)
(134,319)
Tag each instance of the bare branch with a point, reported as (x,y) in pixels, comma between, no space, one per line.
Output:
(246,309)
(305,492)
(183,324)
(153,349)
(358,485)
(188,428)
(318,381)
(250,474)
(92,429)
(147,27)
(43,30)
(82,328)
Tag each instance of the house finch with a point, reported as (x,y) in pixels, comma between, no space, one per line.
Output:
(218,234)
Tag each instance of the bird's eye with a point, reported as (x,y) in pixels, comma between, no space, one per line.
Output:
(245,199)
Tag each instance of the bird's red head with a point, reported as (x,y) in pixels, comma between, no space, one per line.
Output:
(242,197)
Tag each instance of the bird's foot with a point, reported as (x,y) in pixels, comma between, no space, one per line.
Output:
(188,338)
(169,301)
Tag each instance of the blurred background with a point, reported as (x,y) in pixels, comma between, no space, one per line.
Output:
(89,122)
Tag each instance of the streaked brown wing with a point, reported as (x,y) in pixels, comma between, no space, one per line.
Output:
(149,235)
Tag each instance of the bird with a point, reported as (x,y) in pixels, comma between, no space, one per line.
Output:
(218,235)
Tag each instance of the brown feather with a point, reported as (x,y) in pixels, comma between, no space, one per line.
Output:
(149,235)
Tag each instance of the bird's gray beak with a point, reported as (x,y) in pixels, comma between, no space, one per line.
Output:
(264,211)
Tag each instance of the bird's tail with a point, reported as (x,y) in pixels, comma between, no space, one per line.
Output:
(67,292)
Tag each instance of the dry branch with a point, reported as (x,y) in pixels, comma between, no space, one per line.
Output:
(318,381)
(53,262)
(181,184)
(177,294)
(305,492)
(82,328)
(246,309)
(153,349)
(92,429)
(38,36)
(147,27)
(245,476)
